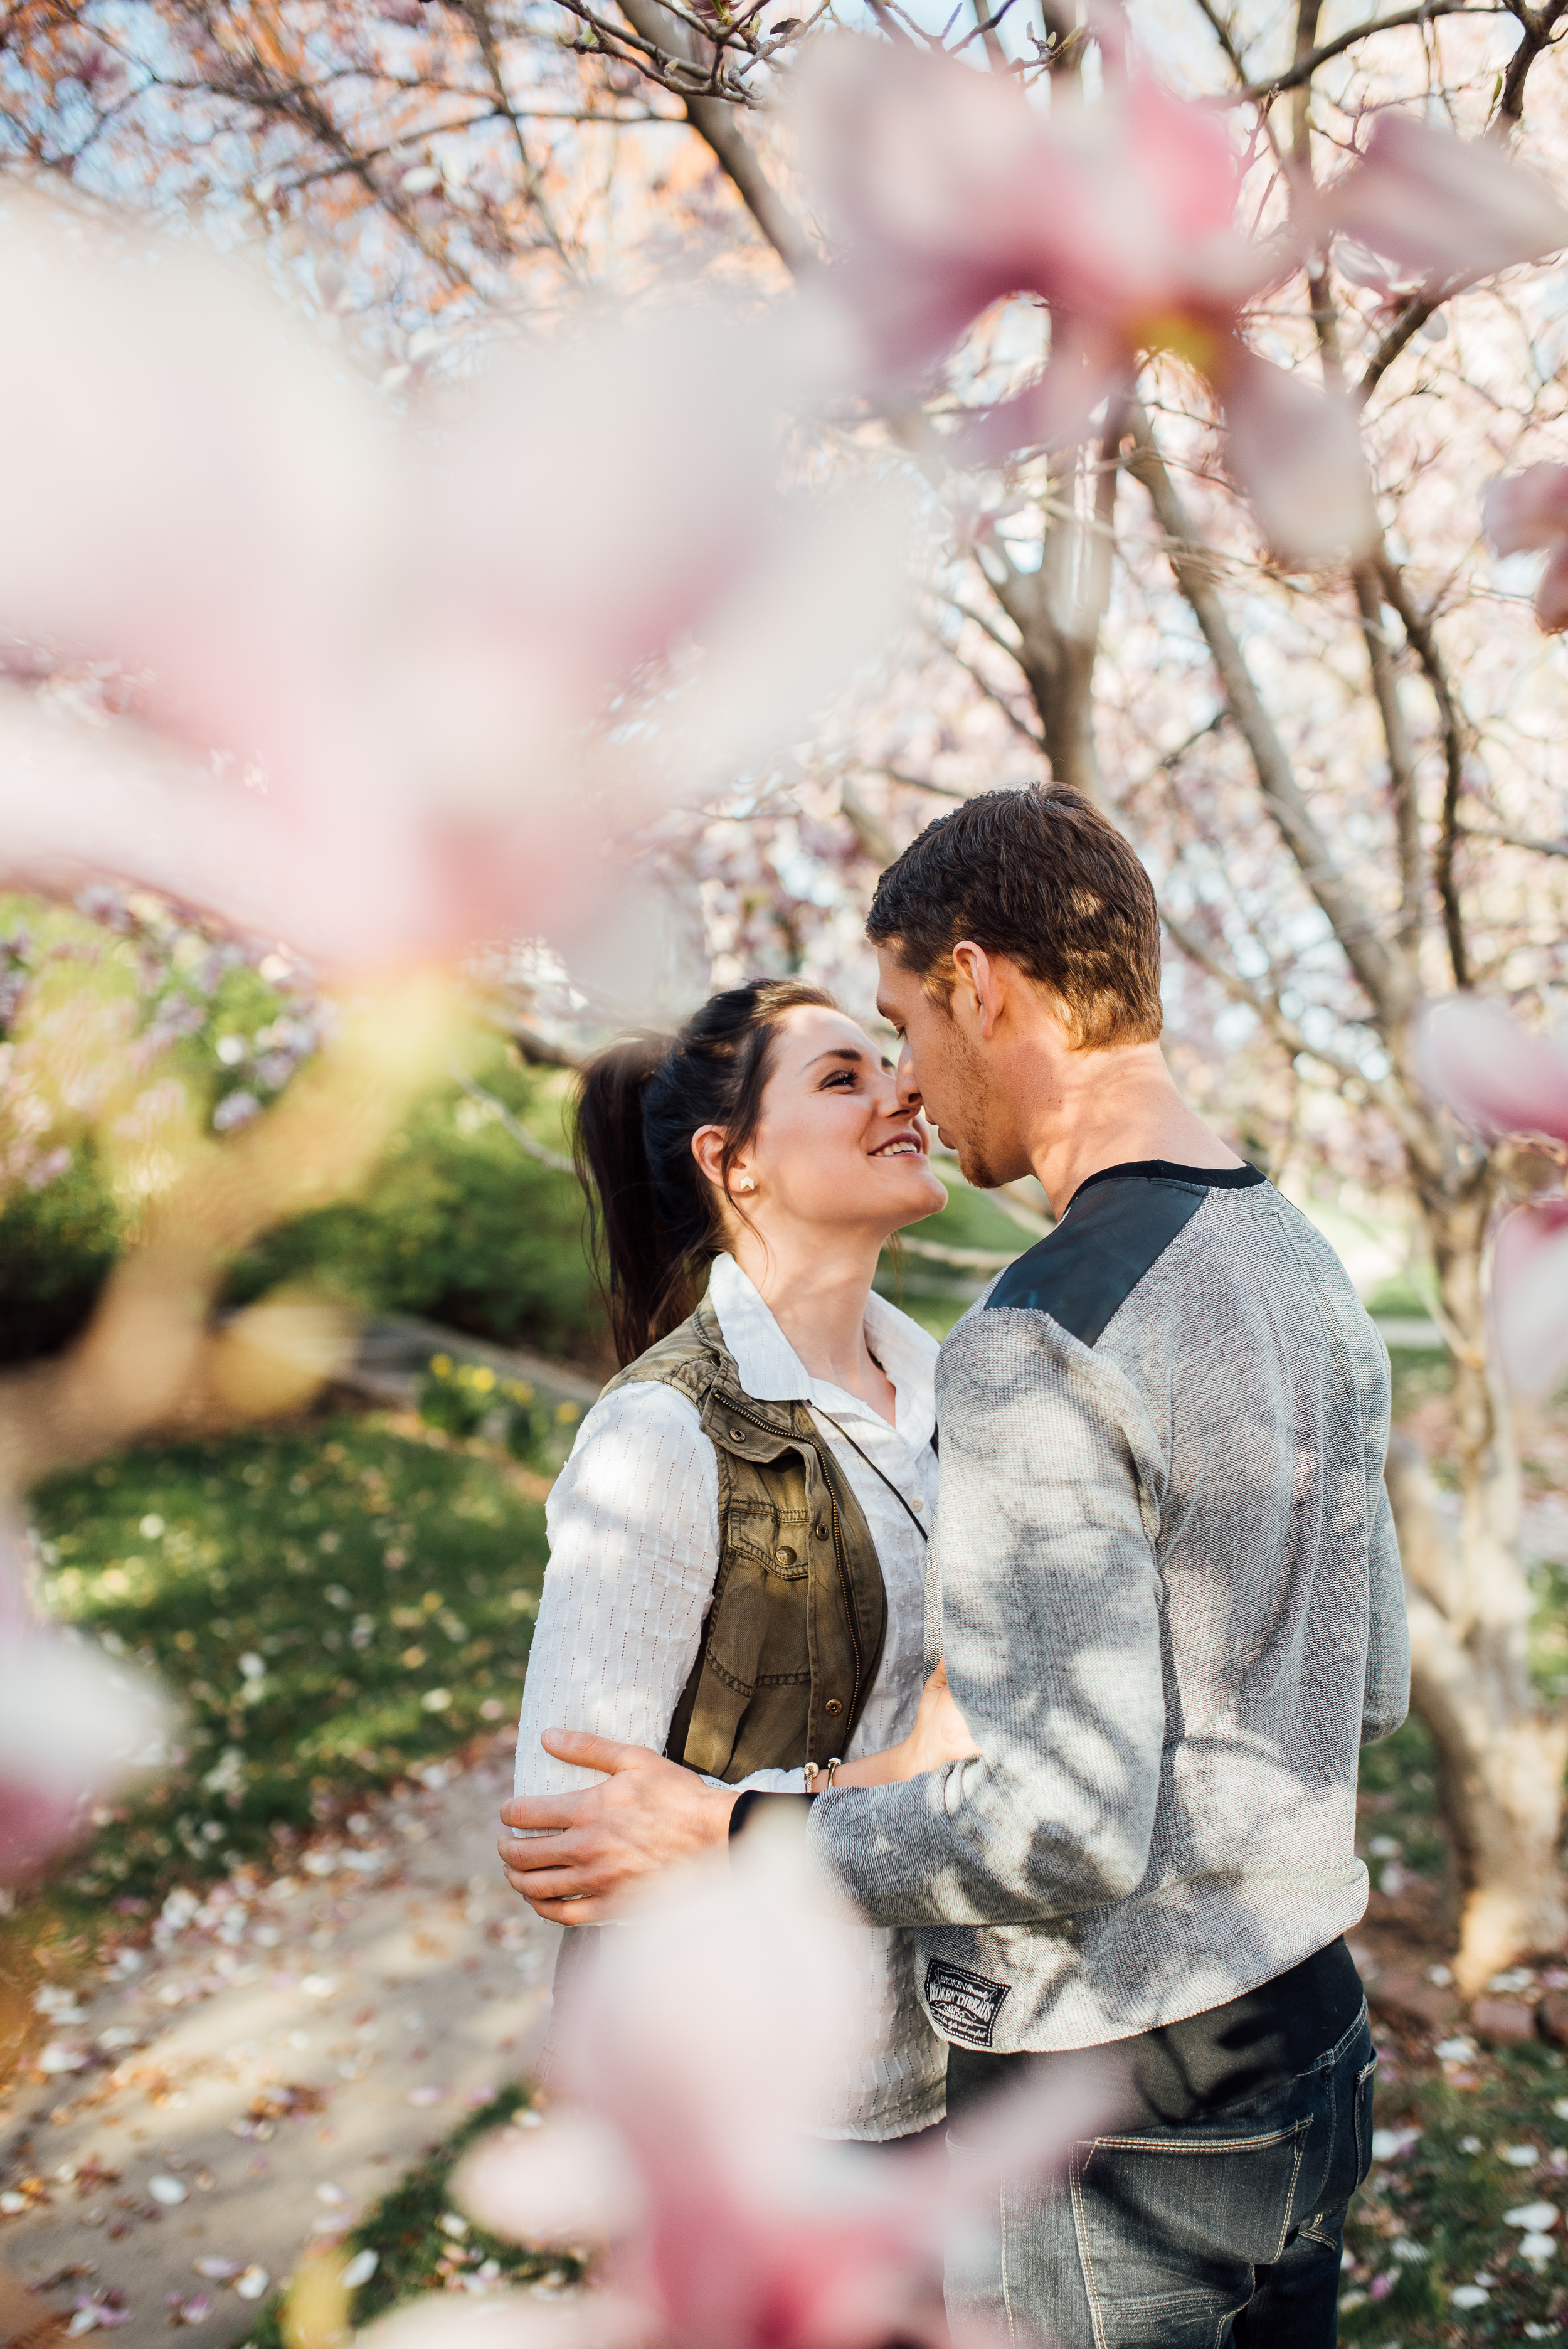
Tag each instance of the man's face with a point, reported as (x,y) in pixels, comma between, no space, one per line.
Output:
(953,1074)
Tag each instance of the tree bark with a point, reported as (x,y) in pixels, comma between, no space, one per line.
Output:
(1501,1754)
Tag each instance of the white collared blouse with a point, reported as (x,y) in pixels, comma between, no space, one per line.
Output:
(634,1552)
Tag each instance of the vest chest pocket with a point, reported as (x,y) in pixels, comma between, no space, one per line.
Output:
(769,1536)
(758,1636)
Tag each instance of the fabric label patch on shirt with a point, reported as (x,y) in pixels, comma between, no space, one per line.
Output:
(964,2006)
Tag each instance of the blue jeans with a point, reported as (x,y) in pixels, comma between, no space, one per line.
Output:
(1221,2232)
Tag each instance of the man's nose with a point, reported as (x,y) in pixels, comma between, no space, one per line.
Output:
(908,1083)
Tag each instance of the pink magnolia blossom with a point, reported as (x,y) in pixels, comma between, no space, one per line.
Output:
(944,190)
(1504,1081)
(1525,513)
(679,2133)
(404,637)
(74,1725)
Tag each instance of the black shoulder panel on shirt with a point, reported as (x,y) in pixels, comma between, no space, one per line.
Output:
(1083,1272)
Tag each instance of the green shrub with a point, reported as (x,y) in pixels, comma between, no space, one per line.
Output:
(458,1226)
(56,1246)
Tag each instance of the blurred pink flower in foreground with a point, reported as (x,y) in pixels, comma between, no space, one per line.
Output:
(1524,513)
(946,190)
(73,1727)
(403,637)
(692,2065)
(1500,1078)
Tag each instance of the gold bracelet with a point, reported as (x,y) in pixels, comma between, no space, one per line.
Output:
(811,1772)
(836,1763)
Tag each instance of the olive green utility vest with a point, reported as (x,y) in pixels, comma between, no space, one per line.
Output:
(794,1632)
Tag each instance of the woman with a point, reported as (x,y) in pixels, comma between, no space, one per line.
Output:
(736,1570)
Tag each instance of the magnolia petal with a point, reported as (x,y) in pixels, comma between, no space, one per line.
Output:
(569,2182)
(1491,1071)
(1552,596)
(73,1726)
(512,2320)
(1432,202)
(944,192)
(1524,511)
(1529,1296)
(1297,452)
(1360,264)
(1056,409)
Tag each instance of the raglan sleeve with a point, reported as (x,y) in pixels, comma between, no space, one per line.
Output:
(633,1522)
(1050,1623)
(1386,1696)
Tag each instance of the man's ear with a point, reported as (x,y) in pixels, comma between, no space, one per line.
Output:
(981,986)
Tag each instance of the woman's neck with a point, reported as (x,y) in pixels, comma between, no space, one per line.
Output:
(816,1290)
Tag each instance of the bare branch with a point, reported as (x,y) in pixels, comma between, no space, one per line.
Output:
(1279,1023)
(1421,636)
(1402,791)
(558,1163)
(1514,839)
(714,121)
(1383,972)
(1303,65)
(478,14)
(1540,29)
(918,783)
(957,1259)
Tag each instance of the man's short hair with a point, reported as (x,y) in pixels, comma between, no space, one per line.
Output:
(1042,876)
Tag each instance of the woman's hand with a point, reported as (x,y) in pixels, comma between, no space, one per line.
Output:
(941,1734)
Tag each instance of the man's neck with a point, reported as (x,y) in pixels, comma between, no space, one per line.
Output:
(1113,1109)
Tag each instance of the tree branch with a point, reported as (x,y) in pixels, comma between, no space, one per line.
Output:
(1514,839)
(1279,1023)
(716,122)
(1384,973)
(1303,65)
(1421,636)
(1402,790)
(558,1163)
(478,14)
(1537,35)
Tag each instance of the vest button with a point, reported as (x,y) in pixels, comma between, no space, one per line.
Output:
(833,1705)
(820,1530)
(737,1435)
(785,1556)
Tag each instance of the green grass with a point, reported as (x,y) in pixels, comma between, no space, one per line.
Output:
(330,1603)
(1398,1800)
(414,2252)
(1446,2198)
(1418,1372)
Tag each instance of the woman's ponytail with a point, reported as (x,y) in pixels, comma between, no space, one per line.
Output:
(655,1221)
(627,1240)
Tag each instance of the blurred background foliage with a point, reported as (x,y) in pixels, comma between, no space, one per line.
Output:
(458,1223)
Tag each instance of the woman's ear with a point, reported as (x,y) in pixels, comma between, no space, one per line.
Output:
(707,1148)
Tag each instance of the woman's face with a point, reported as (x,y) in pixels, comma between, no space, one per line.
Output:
(835,1146)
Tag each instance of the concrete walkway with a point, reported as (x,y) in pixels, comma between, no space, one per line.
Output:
(250,2084)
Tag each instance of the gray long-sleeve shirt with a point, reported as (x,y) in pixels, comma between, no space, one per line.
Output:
(1165,1580)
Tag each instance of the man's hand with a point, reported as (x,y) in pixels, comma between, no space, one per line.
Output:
(583,1851)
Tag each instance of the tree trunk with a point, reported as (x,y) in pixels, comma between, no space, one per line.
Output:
(1501,1757)
(1059,666)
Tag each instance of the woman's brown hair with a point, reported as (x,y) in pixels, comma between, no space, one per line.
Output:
(655,1221)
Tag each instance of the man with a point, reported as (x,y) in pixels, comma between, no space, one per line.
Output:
(1171,1609)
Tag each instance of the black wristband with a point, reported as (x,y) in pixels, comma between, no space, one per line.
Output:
(746,1806)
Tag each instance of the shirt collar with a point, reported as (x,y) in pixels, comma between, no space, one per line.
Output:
(771,1370)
